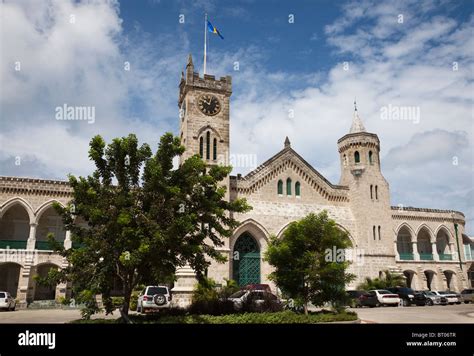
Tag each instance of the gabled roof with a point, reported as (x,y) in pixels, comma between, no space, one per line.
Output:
(266,171)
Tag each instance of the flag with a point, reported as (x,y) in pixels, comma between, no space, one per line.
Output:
(214,30)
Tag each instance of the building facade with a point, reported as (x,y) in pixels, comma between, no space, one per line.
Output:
(428,246)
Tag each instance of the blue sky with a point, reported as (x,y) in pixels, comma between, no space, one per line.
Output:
(334,51)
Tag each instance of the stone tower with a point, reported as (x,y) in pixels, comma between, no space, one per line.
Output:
(204,129)
(204,115)
(369,196)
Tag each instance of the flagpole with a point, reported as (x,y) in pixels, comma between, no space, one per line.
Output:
(205,42)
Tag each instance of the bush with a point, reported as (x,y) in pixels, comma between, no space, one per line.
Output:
(284,317)
(134,300)
(208,299)
(117,302)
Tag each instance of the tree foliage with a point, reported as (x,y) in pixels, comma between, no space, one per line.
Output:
(388,280)
(303,270)
(136,218)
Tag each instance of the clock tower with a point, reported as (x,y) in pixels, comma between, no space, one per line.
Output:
(204,115)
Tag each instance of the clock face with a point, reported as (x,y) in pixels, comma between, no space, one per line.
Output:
(209,104)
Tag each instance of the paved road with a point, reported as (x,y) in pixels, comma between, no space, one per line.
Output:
(49,316)
(449,314)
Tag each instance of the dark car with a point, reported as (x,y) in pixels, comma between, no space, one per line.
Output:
(406,294)
(367,299)
(353,295)
(258,287)
(420,299)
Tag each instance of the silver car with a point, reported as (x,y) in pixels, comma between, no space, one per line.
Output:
(154,298)
(467,296)
(7,302)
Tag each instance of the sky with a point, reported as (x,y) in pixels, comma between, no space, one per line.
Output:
(296,69)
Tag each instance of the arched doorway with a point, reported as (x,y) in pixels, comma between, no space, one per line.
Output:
(424,244)
(409,278)
(49,223)
(44,292)
(450,280)
(404,244)
(430,280)
(15,227)
(246,260)
(9,276)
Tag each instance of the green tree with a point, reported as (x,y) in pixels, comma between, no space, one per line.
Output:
(306,267)
(143,218)
(388,280)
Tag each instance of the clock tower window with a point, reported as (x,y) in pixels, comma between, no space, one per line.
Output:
(208,145)
(214,149)
(201,147)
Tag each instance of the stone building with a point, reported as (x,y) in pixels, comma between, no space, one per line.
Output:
(422,244)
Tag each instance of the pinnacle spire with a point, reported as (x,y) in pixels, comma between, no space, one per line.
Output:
(287,142)
(357,125)
(190,61)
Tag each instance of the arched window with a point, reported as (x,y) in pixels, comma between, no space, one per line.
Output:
(370,157)
(208,145)
(380,237)
(345,160)
(214,149)
(201,147)
(376,193)
(288,186)
(280,187)
(356,157)
(373,231)
(371,188)
(297,189)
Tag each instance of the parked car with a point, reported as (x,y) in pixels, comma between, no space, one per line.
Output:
(406,294)
(432,298)
(7,302)
(258,286)
(154,298)
(256,298)
(444,301)
(386,297)
(467,295)
(367,299)
(451,297)
(353,296)
(420,299)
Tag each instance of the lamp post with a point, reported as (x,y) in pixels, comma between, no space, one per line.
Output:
(457,240)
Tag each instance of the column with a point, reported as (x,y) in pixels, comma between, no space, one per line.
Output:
(30,245)
(434,251)
(453,252)
(184,286)
(395,247)
(414,247)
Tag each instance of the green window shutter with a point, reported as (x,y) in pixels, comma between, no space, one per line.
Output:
(297,189)
(288,186)
(280,187)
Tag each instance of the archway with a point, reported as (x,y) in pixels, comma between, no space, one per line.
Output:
(15,227)
(404,245)
(442,245)
(409,278)
(450,280)
(49,222)
(44,292)
(246,260)
(424,244)
(430,280)
(9,276)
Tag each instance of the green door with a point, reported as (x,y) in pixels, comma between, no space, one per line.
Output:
(246,260)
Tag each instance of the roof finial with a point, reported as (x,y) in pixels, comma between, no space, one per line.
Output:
(190,60)
(287,142)
(357,125)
